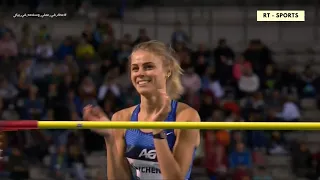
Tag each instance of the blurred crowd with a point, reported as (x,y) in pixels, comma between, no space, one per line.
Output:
(47,81)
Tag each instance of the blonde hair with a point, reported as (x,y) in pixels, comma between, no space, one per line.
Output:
(167,54)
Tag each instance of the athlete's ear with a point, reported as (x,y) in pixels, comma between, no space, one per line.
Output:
(168,74)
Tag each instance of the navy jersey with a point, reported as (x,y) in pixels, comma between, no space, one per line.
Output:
(140,151)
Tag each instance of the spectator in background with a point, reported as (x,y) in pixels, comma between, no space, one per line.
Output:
(7,90)
(271,116)
(103,28)
(3,146)
(271,80)
(18,166)
(65,49)
(123,81)
(43,33)
(2,112)
(28,68)
(22,83)
(59,163)
(108,85)
(73,67)
(223,50)
(223,138)
(258,55)
(52,99)
(84,50)
(277,143)
(179,35)
(142,36)
(68,83)
(123,55)
(204,53)
(34,106)
(56,76)
(261,174)
(183,55)
(236,138)
(76,161)
(201,65)
(233,112)
(200,153)
(99,175)
(316,158)
(83,8)
(223,58)
(27,42)
(215,156)
(74,103)
(87,91)
(240,157)
(109,106)
(238,67)
(4,29)
(254,102)
(107,49)
(88,35)
(302,161)
(44,49)
(273,101)
(191,81)
(192,85)
(308,78)
(127,39)
(8,46)
(207,106)
(291,83)
(290,111)
(206,77)
(249,82)
(212,83)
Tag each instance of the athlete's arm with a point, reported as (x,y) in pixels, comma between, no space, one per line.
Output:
(176,165)
(117,165)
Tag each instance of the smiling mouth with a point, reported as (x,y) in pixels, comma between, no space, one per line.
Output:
(143,82)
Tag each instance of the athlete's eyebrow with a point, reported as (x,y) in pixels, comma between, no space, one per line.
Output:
(145,63)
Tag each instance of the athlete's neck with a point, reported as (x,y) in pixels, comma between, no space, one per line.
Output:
(151,104)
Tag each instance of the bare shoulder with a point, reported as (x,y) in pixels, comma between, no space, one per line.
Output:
(187,113)
(123,114)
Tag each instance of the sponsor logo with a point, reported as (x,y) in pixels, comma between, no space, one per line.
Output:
(151,154)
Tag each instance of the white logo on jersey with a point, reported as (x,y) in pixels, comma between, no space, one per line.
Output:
(169,133)
(148,154)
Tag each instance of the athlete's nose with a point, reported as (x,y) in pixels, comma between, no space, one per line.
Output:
(141,73)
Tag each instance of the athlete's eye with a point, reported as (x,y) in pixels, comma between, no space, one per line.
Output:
(149,67)
(134,69)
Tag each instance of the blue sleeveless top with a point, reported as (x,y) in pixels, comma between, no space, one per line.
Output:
(140,151)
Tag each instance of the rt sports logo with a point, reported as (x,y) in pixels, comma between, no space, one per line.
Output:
(283,15)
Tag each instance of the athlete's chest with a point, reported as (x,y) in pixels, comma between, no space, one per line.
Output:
(141,154)
(140,145)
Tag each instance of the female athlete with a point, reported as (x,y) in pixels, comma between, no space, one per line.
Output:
(151,154)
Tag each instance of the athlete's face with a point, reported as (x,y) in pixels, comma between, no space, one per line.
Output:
(147,72)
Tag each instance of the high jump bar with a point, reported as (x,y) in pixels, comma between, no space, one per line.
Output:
(34,124)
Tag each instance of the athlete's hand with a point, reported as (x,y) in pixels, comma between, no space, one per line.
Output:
(91,113)
(160,113)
